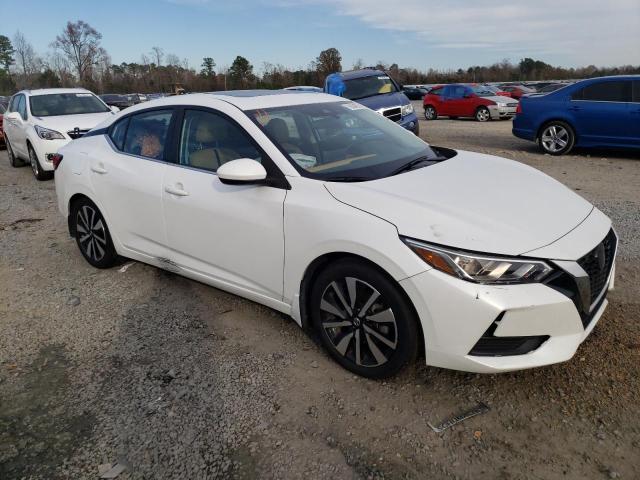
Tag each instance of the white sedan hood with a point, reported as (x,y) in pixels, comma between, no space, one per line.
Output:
(502,99)
(66,123)
(473,202)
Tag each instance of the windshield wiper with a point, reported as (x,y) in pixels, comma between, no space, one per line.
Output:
(346,178)
(415,163)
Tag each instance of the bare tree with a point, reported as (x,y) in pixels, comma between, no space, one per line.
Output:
(80,43)
(157,54)
(173,60)
(26,58)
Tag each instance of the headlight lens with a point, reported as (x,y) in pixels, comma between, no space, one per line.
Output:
(48,134)
(407,110)
(480,268)
(501,104)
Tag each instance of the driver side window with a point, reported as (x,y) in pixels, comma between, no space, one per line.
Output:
(209,140)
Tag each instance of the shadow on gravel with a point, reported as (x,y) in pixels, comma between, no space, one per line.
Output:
(37,431)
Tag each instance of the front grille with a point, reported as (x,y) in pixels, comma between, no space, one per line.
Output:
(76,133)
(393,114)
(597,264)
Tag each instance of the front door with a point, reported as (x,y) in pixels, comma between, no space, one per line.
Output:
(230,234)
(15,126)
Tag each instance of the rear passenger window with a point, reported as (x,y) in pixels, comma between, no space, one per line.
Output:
(210,140)
(147,134)
(619,91)
(118,132)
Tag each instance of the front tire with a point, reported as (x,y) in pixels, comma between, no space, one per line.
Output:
(483,114)
(14,161)
(36,167)
(556,138)
(92,234)
(430,113)
(363,319)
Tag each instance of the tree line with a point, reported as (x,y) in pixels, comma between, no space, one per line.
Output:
(77,58)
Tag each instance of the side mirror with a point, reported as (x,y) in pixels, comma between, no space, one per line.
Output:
(242,171)
(12,116)
(115,109)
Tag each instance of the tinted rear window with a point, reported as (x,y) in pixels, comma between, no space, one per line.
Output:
(617,91)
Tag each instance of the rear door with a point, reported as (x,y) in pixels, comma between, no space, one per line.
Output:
(126,174)
(601,112)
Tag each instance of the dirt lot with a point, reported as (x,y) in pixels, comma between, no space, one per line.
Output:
(174,379)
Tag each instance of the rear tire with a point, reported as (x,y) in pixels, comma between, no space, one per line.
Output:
(92,234)
(14,161)
(36,167)
(430,113)
(483,114)
(363,319)
(556,138)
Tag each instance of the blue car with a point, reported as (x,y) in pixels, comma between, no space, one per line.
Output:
(599,112)
(376,90)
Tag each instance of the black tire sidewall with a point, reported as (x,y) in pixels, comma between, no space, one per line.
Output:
(406,319)
(40,174)
(110,256)
(570,143)
(481,109)
(433,109)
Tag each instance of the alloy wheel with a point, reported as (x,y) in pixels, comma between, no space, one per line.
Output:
(92,235)
(482,115)
(358,322)
(429,113)
(12,158)
(554,138)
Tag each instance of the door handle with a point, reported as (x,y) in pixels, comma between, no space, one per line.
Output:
(98,169)
(177,190)
(574,108)
(635,111)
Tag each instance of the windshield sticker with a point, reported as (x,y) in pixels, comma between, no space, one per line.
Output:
(353,106)
(84,94)
(383,78)
(305,161)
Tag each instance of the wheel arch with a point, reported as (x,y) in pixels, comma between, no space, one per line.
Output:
(320,263)
(546,122)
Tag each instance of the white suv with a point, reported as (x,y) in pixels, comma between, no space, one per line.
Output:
(39,122)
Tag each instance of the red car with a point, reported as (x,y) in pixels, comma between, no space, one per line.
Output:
(517,91)
(459,100)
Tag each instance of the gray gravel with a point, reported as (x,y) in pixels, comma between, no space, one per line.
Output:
(162,377)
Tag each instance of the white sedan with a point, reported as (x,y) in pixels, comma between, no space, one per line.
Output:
(320,208)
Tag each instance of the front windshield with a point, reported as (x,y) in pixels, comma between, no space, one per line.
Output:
(341,141)
(66,104)
(368,87)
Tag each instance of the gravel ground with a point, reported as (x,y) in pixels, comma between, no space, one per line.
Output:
(167,378)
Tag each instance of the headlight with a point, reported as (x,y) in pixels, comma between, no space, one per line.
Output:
(48,134)
(407,110)
(480,268)
(501,104)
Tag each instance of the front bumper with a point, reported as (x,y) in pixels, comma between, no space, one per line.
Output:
(410,122)
(44,148)
(498,112)
(456,314)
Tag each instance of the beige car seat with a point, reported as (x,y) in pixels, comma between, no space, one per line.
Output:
(210,158)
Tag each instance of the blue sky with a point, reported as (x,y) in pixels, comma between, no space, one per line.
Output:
(413,33)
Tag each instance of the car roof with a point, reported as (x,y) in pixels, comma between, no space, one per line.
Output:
(242,99)
(50,91)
